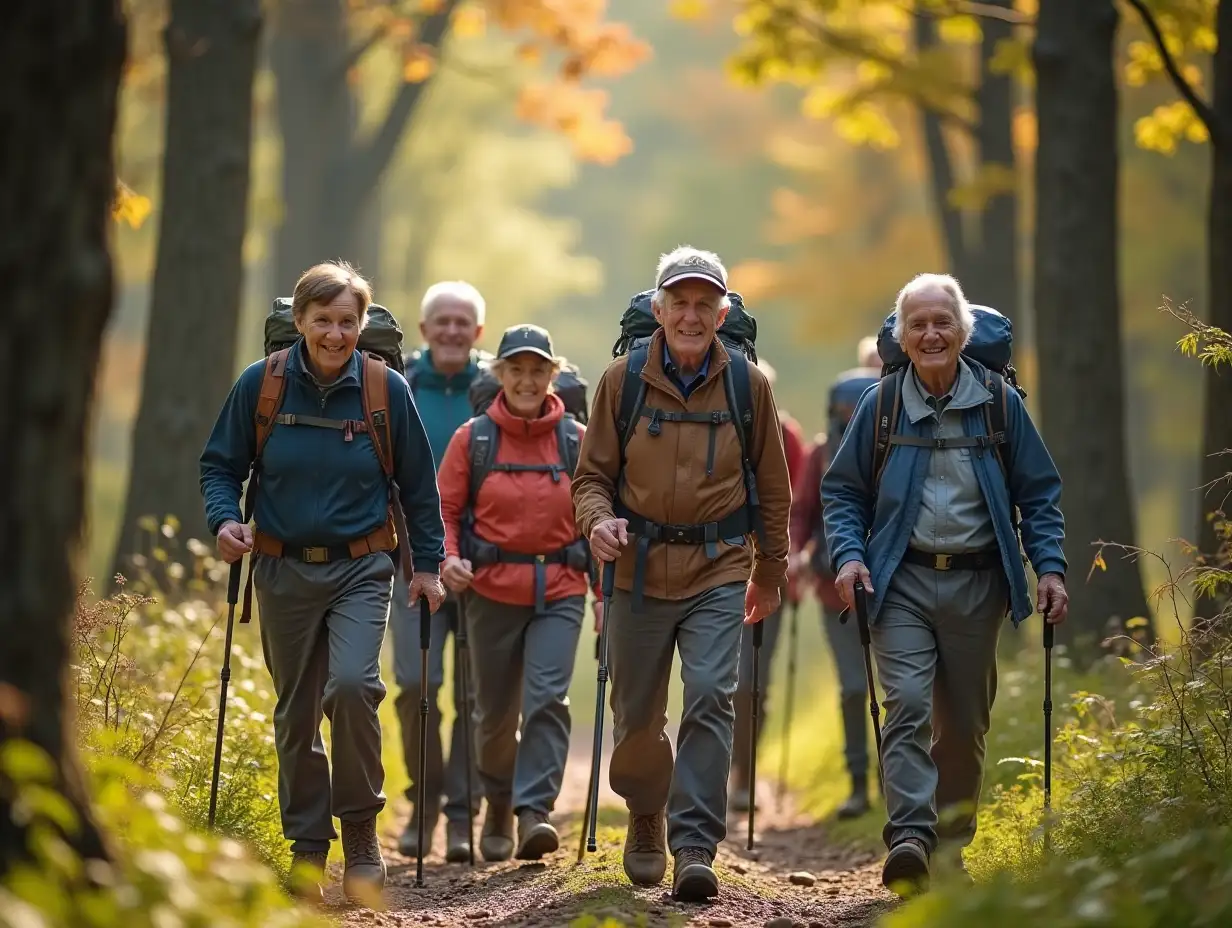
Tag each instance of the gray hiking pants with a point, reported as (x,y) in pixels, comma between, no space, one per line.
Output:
(523,663)
(445,777)
(848,656)
(321,631)
(935,643)
(706,629)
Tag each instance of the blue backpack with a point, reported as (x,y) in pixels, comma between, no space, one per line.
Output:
(991,346)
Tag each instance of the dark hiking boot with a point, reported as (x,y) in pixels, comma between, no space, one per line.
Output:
(496,837)
(308,875)
(536,836)
(694,879)
(645,857)
(364,875)
(408,841)
(905,871)
(857,803)
(458,842)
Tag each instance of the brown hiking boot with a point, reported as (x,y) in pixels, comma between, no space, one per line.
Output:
(496,836)
(458,842)
(905,870)
(364,875)
(308,875)
(645,857)
(408,841)
(536,836)
(694,879)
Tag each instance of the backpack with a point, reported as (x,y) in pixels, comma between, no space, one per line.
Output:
(739,335)
(411,371)
(379,342)
(991,345)
(570,387)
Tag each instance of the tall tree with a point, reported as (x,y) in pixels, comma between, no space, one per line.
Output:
(1200,26)
(60,64)
(1077,306)
(195,306)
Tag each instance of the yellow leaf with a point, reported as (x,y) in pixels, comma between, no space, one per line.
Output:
(689,9)
(1137,622)
(960,30)
(469,21)
(1099,561)
(417,65)
(129,206)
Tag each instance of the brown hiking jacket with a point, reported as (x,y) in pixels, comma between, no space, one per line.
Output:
(666,481)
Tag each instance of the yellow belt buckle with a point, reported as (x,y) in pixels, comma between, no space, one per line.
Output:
(316,555)
(942,561)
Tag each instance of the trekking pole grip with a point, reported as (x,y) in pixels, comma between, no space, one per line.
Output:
(233,582)
(425,623)
(608,582)
(1049,630)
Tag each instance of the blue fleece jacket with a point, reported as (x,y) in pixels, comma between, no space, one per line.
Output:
(316,488)
(441,400)
(852,508)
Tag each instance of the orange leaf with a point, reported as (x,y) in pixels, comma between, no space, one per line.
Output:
(417,64)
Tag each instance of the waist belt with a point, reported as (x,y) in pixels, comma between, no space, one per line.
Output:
(972,560)
(380,540)
(482,553)
(733,525)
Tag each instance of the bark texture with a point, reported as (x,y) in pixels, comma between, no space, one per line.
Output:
(1077,306)
(195,310)
(60,63)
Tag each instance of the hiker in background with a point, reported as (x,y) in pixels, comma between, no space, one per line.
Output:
(738,792)
(936,609)
(809,561)
(516,557)
(451,317)
(671,501)
(321,560)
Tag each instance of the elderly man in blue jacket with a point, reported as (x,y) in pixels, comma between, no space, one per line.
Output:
(934,543)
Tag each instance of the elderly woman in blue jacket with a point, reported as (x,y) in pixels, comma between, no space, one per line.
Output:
(322,564)
(934,544)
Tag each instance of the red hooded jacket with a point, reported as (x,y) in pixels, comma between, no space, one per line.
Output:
(524,511)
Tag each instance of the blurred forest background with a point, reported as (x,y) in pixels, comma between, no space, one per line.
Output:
(823,199)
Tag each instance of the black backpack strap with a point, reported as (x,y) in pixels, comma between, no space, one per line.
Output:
(569,443)
(996,414)
(632,395)
(740,402)
(885,421)
(483,440)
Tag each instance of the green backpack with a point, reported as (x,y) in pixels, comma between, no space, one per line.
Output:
(382,335)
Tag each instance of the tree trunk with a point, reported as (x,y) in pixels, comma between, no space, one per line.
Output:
(1077,305)
(941,169)
(1217,424)
(329,175)
(198,281)
(60,63)
(996,283)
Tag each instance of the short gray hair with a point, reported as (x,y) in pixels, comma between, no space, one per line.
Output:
(947,285)
(675,256)
(458,290)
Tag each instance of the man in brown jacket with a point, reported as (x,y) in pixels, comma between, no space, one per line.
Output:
(699,535)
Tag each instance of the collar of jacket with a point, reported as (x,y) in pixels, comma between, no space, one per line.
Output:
(510,422)
(428,377)
(655,376)
(968,391)
(297,363)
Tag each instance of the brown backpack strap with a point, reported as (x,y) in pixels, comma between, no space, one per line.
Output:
(376,409)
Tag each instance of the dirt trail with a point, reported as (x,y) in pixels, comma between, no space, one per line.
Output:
(754,886)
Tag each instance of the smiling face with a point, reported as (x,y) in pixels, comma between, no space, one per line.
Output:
(525,377)
(932,335)
(331,331)
(450,331)
(690,316)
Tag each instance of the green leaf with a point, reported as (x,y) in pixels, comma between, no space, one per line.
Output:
(24,762)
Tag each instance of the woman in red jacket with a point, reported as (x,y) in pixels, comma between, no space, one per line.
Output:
(511,542)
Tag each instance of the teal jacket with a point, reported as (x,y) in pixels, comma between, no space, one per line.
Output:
(874,527)
(315,488)
(441,399)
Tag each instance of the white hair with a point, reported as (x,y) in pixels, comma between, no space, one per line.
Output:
(947,285)
(458,290)
(679,253)
(771,374)
(867,354)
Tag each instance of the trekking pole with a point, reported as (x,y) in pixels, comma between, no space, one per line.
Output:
(861,597)
(790,703)
(590,796)
(233,596)
(609,581)
(758,632)
(425,642)
(1049,631)
(463,656)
